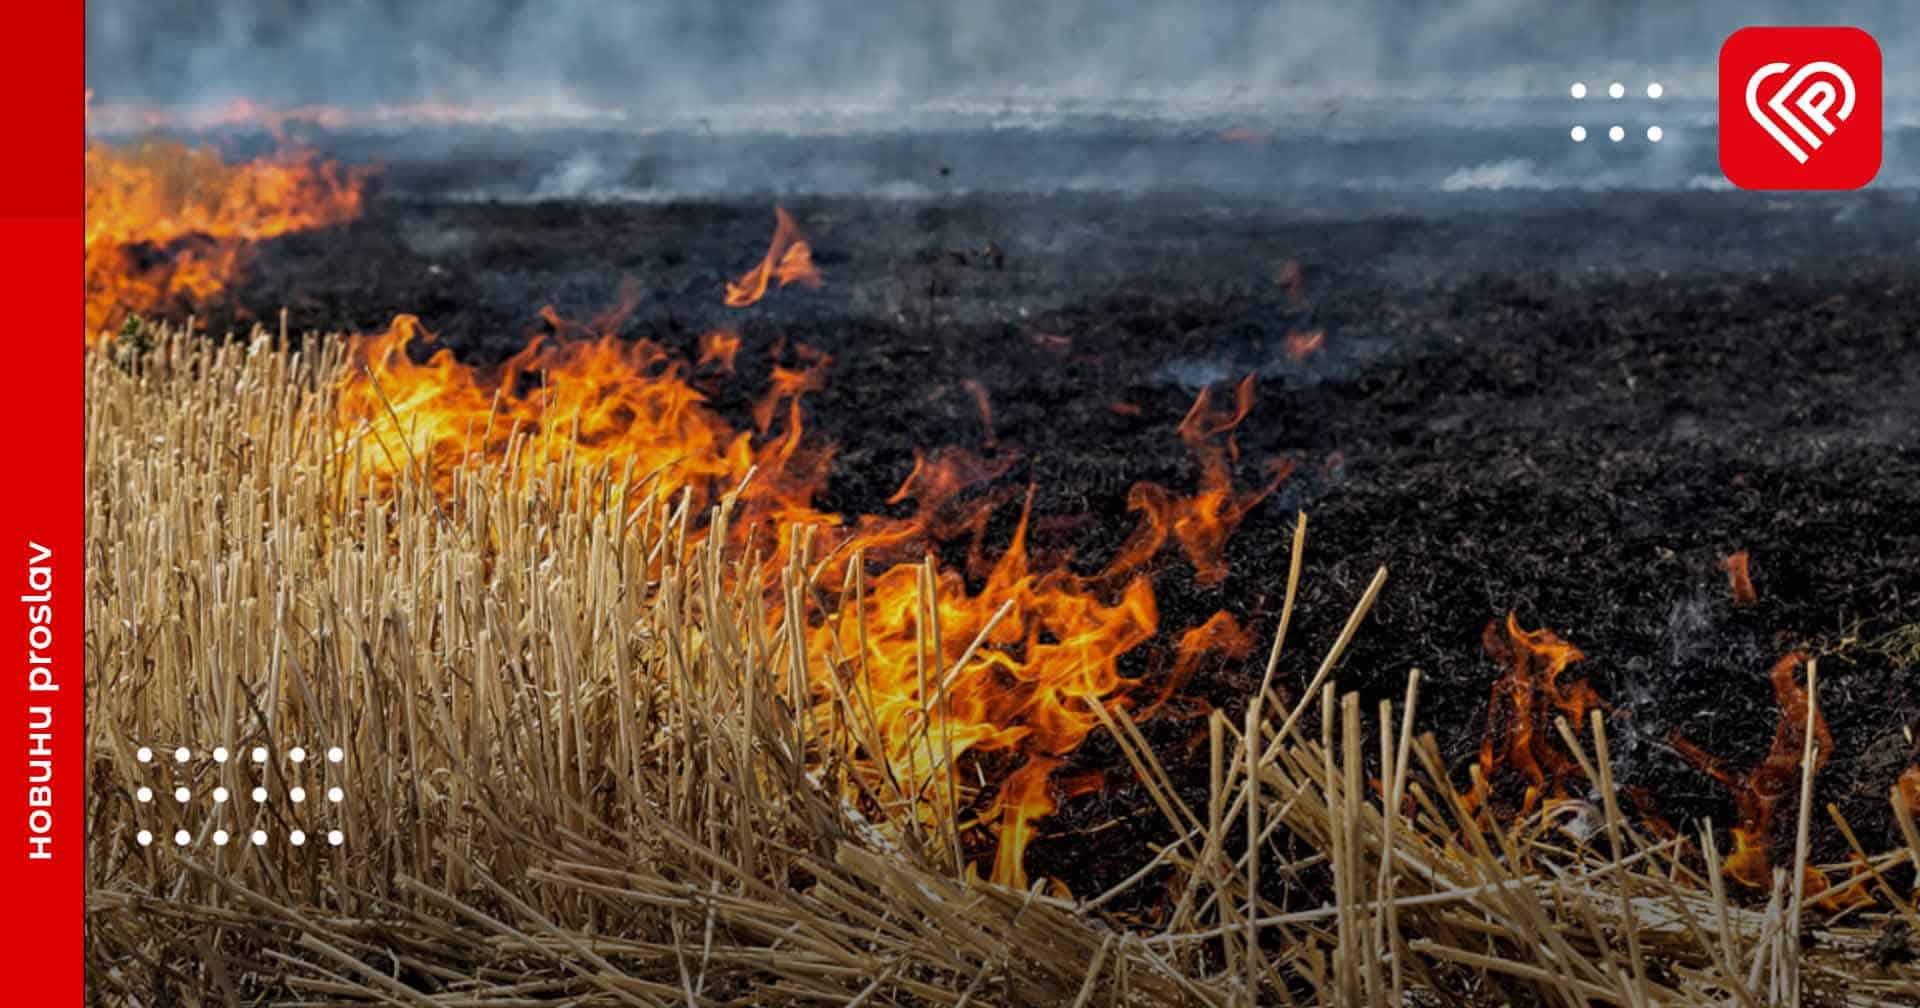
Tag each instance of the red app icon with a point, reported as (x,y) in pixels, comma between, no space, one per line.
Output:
(1800,108)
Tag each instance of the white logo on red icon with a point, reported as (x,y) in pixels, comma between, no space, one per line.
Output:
(1812,90)
(1800,108)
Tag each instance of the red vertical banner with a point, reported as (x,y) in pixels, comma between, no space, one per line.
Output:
(42,555)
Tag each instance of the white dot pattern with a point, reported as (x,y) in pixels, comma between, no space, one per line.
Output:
(260,755)
(1616,90)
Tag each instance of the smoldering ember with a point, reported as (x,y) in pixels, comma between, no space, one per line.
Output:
(994,552)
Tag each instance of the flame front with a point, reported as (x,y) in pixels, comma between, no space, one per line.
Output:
(167,223)
(1000,668)
(1014,667)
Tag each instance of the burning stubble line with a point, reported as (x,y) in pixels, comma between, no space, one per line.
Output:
(208,212)
(669,839)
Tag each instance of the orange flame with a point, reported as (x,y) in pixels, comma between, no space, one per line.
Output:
(1050,650)
(1520,715)
(1757,792)
(1220,635)
(719,348)
(169,223)
(1738,580)
(1290,276)
(789,259)
(1202,523)
(1001,666)
(1301,343)
(984,405)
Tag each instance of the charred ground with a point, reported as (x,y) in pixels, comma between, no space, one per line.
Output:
(1569,404)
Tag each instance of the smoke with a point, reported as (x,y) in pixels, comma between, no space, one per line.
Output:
(652,60)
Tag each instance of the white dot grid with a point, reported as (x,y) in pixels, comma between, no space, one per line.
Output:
(259,754)
(220,794)
(1617,90)
(221,838)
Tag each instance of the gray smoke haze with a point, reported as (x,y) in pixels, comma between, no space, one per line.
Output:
(655,60)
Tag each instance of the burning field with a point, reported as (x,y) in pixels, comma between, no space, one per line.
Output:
(910,597)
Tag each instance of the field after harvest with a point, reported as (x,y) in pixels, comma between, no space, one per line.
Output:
(965,597)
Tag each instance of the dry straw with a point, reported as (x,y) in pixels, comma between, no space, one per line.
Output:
(580,767)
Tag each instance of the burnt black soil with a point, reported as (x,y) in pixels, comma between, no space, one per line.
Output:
(1570,405)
